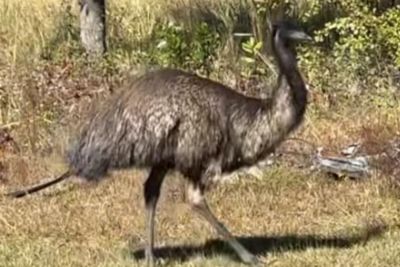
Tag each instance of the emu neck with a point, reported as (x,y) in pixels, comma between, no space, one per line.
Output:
(280,116)
(290,99)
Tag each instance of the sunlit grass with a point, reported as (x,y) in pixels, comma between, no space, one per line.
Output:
(290,216)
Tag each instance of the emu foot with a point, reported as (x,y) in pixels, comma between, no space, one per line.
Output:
(150,260)
(249,259)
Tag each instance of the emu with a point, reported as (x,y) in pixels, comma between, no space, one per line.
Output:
(169,119)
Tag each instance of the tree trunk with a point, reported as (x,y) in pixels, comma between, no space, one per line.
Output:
(93,26)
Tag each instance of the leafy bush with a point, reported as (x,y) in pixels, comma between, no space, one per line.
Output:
(358,44)
(355,39)
(389,34)
(251,49)
(173,45)
(65,42)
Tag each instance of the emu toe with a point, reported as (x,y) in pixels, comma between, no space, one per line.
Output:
(250,259)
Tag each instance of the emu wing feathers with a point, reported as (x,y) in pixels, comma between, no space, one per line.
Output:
(152,122)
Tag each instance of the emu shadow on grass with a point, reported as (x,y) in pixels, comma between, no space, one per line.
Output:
(261,245)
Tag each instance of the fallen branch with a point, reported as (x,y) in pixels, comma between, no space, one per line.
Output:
(354,168)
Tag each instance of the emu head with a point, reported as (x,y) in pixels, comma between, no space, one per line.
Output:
(289,32)
(285,35)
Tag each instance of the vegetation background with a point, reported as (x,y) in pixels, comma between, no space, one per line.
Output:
(296,217)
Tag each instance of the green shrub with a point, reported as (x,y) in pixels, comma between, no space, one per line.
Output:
(389,34)
(65,41)
(353,48)
(175,46)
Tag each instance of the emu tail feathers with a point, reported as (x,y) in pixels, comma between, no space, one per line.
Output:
(36,188)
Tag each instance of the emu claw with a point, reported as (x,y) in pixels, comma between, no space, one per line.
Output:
(251,260)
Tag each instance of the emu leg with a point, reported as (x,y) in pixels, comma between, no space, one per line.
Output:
(199,205)
(152,188)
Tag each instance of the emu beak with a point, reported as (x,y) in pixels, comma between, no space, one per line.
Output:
(299,35)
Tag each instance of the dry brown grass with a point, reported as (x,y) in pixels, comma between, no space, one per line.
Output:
(289,217)
(26,28)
